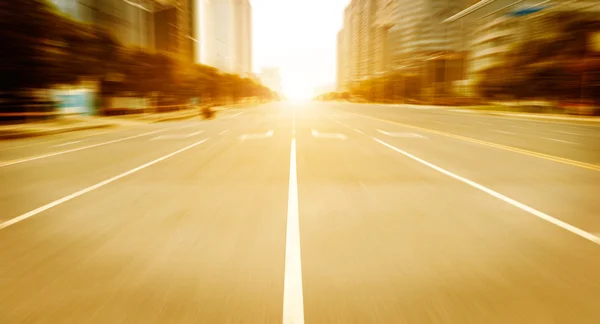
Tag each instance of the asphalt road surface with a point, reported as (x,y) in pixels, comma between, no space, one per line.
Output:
(305,213)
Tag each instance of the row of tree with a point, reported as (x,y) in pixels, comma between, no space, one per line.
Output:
(554,60)
(42,49)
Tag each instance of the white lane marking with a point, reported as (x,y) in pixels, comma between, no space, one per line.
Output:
(358,131)
(176,136)
(406,135)
(502,132)
(438,122)
(194,133)
(569,133)
(560,141)
(93,187)
(33,158)
(293,300)
(328,135)
(254,136)
(223,132)
(531,210)
(68,143)
(232,116)
(482,123)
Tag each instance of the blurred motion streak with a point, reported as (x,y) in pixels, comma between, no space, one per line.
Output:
(517,55)
(107,57)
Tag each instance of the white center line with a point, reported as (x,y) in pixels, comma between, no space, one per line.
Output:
(223,132)
(293,300)
(358,131)
(68,143)
(560,141)
(531,210)
(502,132)
(482,123)
(33,158)
(91,188)
(438,122)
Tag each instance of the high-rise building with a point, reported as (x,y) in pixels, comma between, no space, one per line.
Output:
(131,22)
(490,28)
(161,25)
(175,29)
(226,35)
(384,35)
(242,37)
(342,70)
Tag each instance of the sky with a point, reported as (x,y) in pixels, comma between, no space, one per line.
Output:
(300,37)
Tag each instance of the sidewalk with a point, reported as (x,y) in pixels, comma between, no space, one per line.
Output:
(78,123)
(157,117)
(60,125)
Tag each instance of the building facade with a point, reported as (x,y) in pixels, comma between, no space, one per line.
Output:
(226,35)
(153,25)
(387,35)
(489,28)
(130,22)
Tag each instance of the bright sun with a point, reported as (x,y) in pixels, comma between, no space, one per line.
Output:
(296,91)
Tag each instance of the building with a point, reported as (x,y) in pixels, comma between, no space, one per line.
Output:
(175,29)
(242,38)
(342,70)
(154,25)
(489,28)
(226,35)
(356,43)
(379,36)
(271,78)
(130,22)
(412,31)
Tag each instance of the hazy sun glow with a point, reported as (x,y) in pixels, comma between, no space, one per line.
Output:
(300,38)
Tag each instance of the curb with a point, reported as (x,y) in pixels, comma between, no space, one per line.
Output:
(174,118)
(26,134)
(543,116)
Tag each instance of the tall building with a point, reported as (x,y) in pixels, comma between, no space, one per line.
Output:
(155,25)
(384,35)
(342,71)
(131,22)
(416,29)
(242,37)
(226,35)
(359,17)
(175,29)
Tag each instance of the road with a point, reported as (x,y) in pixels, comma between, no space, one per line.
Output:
(305,213)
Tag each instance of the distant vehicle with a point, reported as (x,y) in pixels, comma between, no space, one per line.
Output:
(207,112)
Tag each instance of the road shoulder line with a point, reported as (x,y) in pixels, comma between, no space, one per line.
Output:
(566,226)
(81,192)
